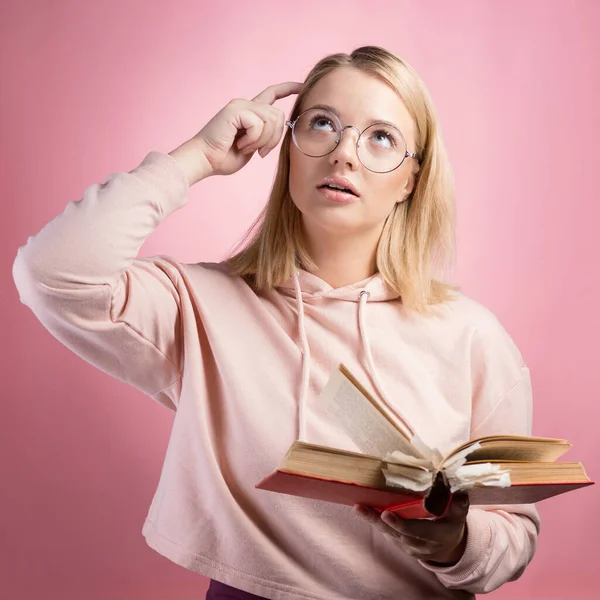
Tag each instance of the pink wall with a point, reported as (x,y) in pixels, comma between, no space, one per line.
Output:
(90,87)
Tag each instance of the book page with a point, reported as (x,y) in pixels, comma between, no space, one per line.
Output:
(513,447)
(518,450)
(368,428)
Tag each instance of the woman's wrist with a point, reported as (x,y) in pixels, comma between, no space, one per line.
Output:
(192,161)
(453,556)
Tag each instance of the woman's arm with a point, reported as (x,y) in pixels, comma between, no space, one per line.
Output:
(501,540)
(478,548)
(81,278)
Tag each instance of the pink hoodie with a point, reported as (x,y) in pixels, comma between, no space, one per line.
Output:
(243,373)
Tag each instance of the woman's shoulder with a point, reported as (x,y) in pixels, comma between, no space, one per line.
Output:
(202,276)
(466,307)
(212,269)
(214,273)
(487,331)
(462,310)
(217,279)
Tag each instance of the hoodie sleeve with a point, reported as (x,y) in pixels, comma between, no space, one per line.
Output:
(80,277)
(501,540)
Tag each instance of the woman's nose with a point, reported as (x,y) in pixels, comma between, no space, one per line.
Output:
(346,150)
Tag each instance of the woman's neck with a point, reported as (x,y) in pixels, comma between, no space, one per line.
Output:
(345,259)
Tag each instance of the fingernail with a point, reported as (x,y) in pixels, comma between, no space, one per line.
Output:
(389,517)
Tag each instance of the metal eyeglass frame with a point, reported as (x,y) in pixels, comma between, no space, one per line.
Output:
(291,125)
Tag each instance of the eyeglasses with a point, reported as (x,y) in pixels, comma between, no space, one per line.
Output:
(381,147)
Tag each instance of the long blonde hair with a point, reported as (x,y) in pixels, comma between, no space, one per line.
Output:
(418,236)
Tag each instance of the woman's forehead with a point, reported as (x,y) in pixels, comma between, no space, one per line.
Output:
(359,99)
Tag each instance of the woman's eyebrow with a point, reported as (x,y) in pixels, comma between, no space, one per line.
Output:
(337,114)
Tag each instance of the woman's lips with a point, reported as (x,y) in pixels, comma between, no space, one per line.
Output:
(337,195)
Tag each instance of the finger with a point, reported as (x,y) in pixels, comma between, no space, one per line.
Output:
(431,528)
(374,518)
(277,91)
(415,547)
(252,111)
(423,552)
(417,529)
(265,136)
(458,509)
(431,531)
(252,124)
(278,130)
(367,513)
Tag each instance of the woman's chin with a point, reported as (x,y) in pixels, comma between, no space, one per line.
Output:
(333,222)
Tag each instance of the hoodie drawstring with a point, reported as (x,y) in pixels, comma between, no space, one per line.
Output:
(407,429)
(305,363)
(364,295)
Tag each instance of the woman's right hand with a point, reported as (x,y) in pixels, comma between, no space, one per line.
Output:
(228,141)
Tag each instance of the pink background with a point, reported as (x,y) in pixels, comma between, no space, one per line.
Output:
(89,88)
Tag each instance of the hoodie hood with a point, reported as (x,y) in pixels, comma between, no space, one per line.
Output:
(314,287)
(306,287)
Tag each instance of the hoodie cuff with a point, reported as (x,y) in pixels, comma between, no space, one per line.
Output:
(164,174)
(479,538)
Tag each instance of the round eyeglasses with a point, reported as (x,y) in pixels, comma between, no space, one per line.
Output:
(381,147)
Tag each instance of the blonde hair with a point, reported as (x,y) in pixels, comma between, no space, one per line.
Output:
(418,236)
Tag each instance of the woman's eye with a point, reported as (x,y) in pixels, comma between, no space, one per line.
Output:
(322,123)
(384,138)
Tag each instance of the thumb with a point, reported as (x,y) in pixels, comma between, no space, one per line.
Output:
(366,512)
(459,507)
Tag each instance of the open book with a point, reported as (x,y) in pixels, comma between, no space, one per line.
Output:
(405,476)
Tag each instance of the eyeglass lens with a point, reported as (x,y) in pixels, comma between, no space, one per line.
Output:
(381,147)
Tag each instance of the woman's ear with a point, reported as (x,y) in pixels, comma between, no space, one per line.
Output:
(407,188)
(409,185)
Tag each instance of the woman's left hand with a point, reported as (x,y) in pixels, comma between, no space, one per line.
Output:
(440,541)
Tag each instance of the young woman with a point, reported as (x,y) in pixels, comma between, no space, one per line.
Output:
(341,267)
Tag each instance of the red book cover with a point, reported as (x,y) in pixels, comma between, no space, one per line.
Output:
(407,505)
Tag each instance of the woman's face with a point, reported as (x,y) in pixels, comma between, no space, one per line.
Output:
(357,99)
